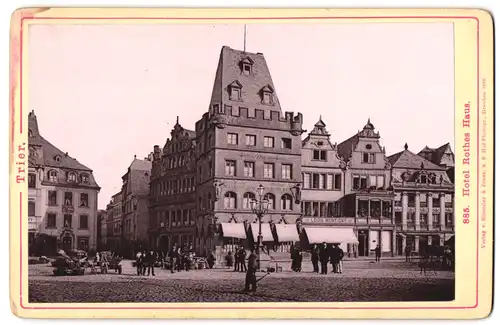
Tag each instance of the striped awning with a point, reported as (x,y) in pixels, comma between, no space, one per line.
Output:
(267,235)
(287,233)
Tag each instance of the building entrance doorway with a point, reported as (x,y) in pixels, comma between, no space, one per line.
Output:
(67,243)
(363,243)
(399,245)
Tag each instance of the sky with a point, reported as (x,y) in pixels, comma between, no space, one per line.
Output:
(104,93)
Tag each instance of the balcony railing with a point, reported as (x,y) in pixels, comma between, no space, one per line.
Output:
(448,205)
(423,204)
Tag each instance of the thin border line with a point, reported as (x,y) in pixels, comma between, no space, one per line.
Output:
(253,18)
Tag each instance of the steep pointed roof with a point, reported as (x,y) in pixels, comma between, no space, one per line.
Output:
(52,156)
(230,71)
(408,160)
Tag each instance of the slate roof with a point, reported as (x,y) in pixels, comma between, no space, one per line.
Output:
(408,160)
(52,156)
(229,70)
(437,153)
(49,150)
(138,174)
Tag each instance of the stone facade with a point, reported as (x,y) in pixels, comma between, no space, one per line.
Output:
(172,192)
(244,141)
(62,198)
(135,207)
(424,203)
(114,222)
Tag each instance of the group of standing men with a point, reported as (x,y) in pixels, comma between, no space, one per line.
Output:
(146,261)
(325,253)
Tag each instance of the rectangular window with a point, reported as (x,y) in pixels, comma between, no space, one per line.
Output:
(319,155)
(51,220)
(31,180)
(84,200)
(321,181)
(306,180)
(235,94)
(286,143)
(368,158)
(230,168)
(249,169)
(83,244)
(286,171)
(363,182)
(31,209)
(380,182)
(267,98)
(84,222)
(315,181)
(268,170)
(250,140)
(337,184)
(373,181)
(68,220)
(269,142)
(68,198)
(232,138)
(329,181)
(52,197)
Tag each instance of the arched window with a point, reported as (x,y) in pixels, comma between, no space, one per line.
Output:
(85,178)
(230,200)
(271,199)
(247,200)
(71,177)
(286,202)
(52,175)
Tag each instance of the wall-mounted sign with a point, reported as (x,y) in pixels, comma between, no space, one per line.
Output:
(327,220)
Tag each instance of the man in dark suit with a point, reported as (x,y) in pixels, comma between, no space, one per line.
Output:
(324,257)
(251,278)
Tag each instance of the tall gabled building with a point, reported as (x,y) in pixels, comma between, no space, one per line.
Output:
(244,140)
(172,187)
(62,198)
(135,207)
(323,175)
(368,195)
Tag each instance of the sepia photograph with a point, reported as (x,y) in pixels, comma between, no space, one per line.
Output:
(241,162)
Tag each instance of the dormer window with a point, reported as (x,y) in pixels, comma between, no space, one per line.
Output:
(85,178)
(423,179)
(246,66)
(52,176)
(57,158)
(30,133)
(235,90)
(267,95)
(71,177)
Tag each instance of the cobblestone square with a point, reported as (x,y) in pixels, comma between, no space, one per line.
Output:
(360,281)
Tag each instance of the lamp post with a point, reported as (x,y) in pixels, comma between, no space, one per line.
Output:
(260,208)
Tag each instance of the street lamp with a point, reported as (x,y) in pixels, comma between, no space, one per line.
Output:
(260,208)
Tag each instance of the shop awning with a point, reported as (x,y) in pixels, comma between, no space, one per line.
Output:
(287,233)
(267,235)
(233,230)
(331,235)
(448,236)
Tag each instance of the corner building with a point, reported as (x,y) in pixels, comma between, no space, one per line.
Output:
(243,141)
(62,198)
(424,202)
